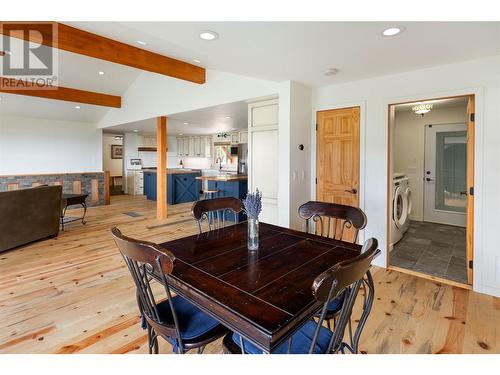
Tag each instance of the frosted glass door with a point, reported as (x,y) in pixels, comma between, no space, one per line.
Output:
(445,174)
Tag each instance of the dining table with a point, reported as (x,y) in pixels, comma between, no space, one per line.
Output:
(263,295)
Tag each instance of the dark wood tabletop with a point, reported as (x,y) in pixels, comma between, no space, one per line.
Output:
(264,296)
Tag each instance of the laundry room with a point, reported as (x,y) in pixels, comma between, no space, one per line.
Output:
(430,201)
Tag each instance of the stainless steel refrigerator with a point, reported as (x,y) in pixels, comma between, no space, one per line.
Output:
(242,158)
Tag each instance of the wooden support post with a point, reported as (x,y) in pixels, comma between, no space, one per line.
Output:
(161,169)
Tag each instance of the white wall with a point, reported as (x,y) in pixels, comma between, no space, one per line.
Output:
(33,145)
(152,95)
(300,161)
(408,147)
(481,77)
(114,166)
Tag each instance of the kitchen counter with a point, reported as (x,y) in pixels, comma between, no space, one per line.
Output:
(171,171)
(230,177)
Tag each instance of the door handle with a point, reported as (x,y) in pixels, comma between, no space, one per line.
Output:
(463,193)
(352,191)
(429,179)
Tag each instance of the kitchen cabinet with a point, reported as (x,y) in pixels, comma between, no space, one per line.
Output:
(235,188)
(235,138)
(180,147)
(148,141)
(186,146)
(263,150)
(135,183)
(197,147)
(191,147)
(182,186)
(243,136)
(206,145)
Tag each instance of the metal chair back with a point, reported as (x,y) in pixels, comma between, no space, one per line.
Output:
(332,220)
(142,258)
(214,213)
(346,276)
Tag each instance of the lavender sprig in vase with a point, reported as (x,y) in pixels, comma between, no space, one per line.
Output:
(253,206)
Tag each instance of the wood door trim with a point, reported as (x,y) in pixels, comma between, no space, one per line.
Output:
(470,183)
(470,186)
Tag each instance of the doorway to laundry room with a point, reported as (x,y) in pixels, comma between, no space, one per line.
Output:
(431,188)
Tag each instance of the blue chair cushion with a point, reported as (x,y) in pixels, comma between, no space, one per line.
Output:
(301,341)
(193,322)
(336,305)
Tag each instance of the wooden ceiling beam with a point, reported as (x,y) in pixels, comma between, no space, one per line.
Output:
(88,44)
(20,87)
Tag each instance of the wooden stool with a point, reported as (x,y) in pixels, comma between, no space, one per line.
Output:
(210,194)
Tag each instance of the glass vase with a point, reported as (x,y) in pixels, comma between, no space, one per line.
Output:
(253,234)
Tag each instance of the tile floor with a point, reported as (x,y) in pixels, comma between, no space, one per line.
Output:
(433,249)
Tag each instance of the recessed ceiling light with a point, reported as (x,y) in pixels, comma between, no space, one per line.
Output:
(186,123)
(181,134)
(135,130)
(141,42)
(197,61)
(101,73)
(331,72)
(392,31)
(208,35)
(77,107)
(228,116)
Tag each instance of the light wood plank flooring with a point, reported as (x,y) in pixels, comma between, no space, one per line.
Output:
(73,294)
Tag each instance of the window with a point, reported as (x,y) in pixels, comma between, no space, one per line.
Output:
(222,151)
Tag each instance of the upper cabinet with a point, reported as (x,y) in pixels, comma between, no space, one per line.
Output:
(243,136)
(180,147)
(148,141)
(194,146)
(235,137)
(206,146)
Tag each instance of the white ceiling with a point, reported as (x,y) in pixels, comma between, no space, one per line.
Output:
(204,121)
(275,51)
(302,51)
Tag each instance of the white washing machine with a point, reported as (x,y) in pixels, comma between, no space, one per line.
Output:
(401,207)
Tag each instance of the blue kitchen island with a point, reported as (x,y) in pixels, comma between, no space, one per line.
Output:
(229,186)
(182,185)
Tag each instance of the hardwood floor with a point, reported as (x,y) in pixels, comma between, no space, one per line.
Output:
(73,294)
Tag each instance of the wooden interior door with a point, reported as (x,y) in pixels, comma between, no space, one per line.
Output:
(337,157)
(470,188)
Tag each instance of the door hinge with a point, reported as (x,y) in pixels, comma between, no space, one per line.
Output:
(471,191)
(316,127)
(470,264)
(316,180)
(472,117)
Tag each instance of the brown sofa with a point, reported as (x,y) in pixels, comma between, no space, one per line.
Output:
(28,215)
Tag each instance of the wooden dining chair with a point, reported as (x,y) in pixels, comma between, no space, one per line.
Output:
(339,222)
(333,220)
(343,278)
(216,212)
(175,319)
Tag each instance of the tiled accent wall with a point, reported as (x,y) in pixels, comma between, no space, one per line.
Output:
(91,183)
